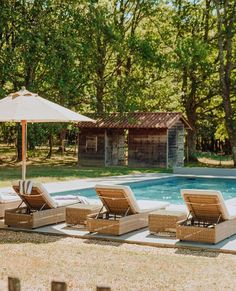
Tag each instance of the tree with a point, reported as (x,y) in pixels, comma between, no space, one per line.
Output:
(195,61)
(123,55)
(226,31)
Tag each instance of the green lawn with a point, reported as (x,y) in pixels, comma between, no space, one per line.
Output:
(58,168)
(62,168)
(47,173)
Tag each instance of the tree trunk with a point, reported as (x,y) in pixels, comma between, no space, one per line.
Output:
(100,72)
(191,143)
(225,26)
(192,139)
(76,143)
(19,144)
(229,123)
(49,155)
(99,96)
(29,75)
(189,104)
(19,151)
(62,147)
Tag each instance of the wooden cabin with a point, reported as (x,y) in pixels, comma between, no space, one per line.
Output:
(150,139)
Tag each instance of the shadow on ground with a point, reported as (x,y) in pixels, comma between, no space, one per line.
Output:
(200,253)
(18,237)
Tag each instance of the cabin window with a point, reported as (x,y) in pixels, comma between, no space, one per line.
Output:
(91,143)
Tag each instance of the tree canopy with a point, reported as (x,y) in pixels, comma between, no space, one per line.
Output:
(101,56)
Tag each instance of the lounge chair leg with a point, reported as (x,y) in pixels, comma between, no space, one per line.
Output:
(103,288)
(218,220)
(13,284)
(19,205)
(42,207)
(99,212)
(58,286)
(127,211)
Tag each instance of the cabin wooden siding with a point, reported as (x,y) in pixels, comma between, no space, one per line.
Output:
(147,147)
(176,145)
(135,147)
(115,147)
(88,157)
(110,147)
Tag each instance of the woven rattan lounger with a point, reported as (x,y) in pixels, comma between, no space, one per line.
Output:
(210,219)
(8,201)
(121,212)
(41,209)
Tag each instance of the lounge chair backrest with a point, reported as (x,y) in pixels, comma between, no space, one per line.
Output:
(117,199)
(38,199)
(206,205)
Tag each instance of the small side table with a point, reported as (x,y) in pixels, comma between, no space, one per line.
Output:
(164,220)
(77,213)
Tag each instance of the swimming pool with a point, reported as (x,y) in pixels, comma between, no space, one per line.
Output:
(168,189)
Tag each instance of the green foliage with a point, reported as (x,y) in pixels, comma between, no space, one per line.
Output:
(105,56)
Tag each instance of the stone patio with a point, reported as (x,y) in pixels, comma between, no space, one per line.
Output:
(142,237)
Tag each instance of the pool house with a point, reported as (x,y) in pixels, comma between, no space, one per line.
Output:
(150,139)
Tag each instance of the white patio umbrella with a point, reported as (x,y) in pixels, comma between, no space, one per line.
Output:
(26,107)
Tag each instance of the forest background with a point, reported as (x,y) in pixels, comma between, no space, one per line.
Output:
(97,57)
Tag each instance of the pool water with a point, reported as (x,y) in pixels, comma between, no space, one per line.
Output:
(168,189)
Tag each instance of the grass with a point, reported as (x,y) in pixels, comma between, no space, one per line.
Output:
(58,168)
(62,168)
(214,156)
(64,172)
(208,159)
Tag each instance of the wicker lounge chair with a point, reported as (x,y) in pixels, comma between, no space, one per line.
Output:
(41,209)
(8,201)
(121,213)
(210,219)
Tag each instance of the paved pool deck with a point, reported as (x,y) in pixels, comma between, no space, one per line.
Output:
(141,237)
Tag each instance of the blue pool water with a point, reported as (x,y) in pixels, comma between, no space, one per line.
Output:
(168,189)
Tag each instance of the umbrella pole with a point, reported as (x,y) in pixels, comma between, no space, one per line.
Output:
(24,144)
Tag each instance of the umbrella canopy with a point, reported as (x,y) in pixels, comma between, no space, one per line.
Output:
(24,106)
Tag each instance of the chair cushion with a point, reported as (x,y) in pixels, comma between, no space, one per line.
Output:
(131,198)
(52,202)
(149,205)
(231,202)
(178,208)
(66,202)
(94,201)
(232,211)
(8,197)
(69,199)
(46,196)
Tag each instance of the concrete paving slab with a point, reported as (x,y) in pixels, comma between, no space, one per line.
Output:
(140,237)
(204,171)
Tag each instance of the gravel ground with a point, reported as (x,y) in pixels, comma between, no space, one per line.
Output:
(38,259)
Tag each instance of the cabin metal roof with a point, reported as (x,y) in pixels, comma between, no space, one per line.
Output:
(137,120)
